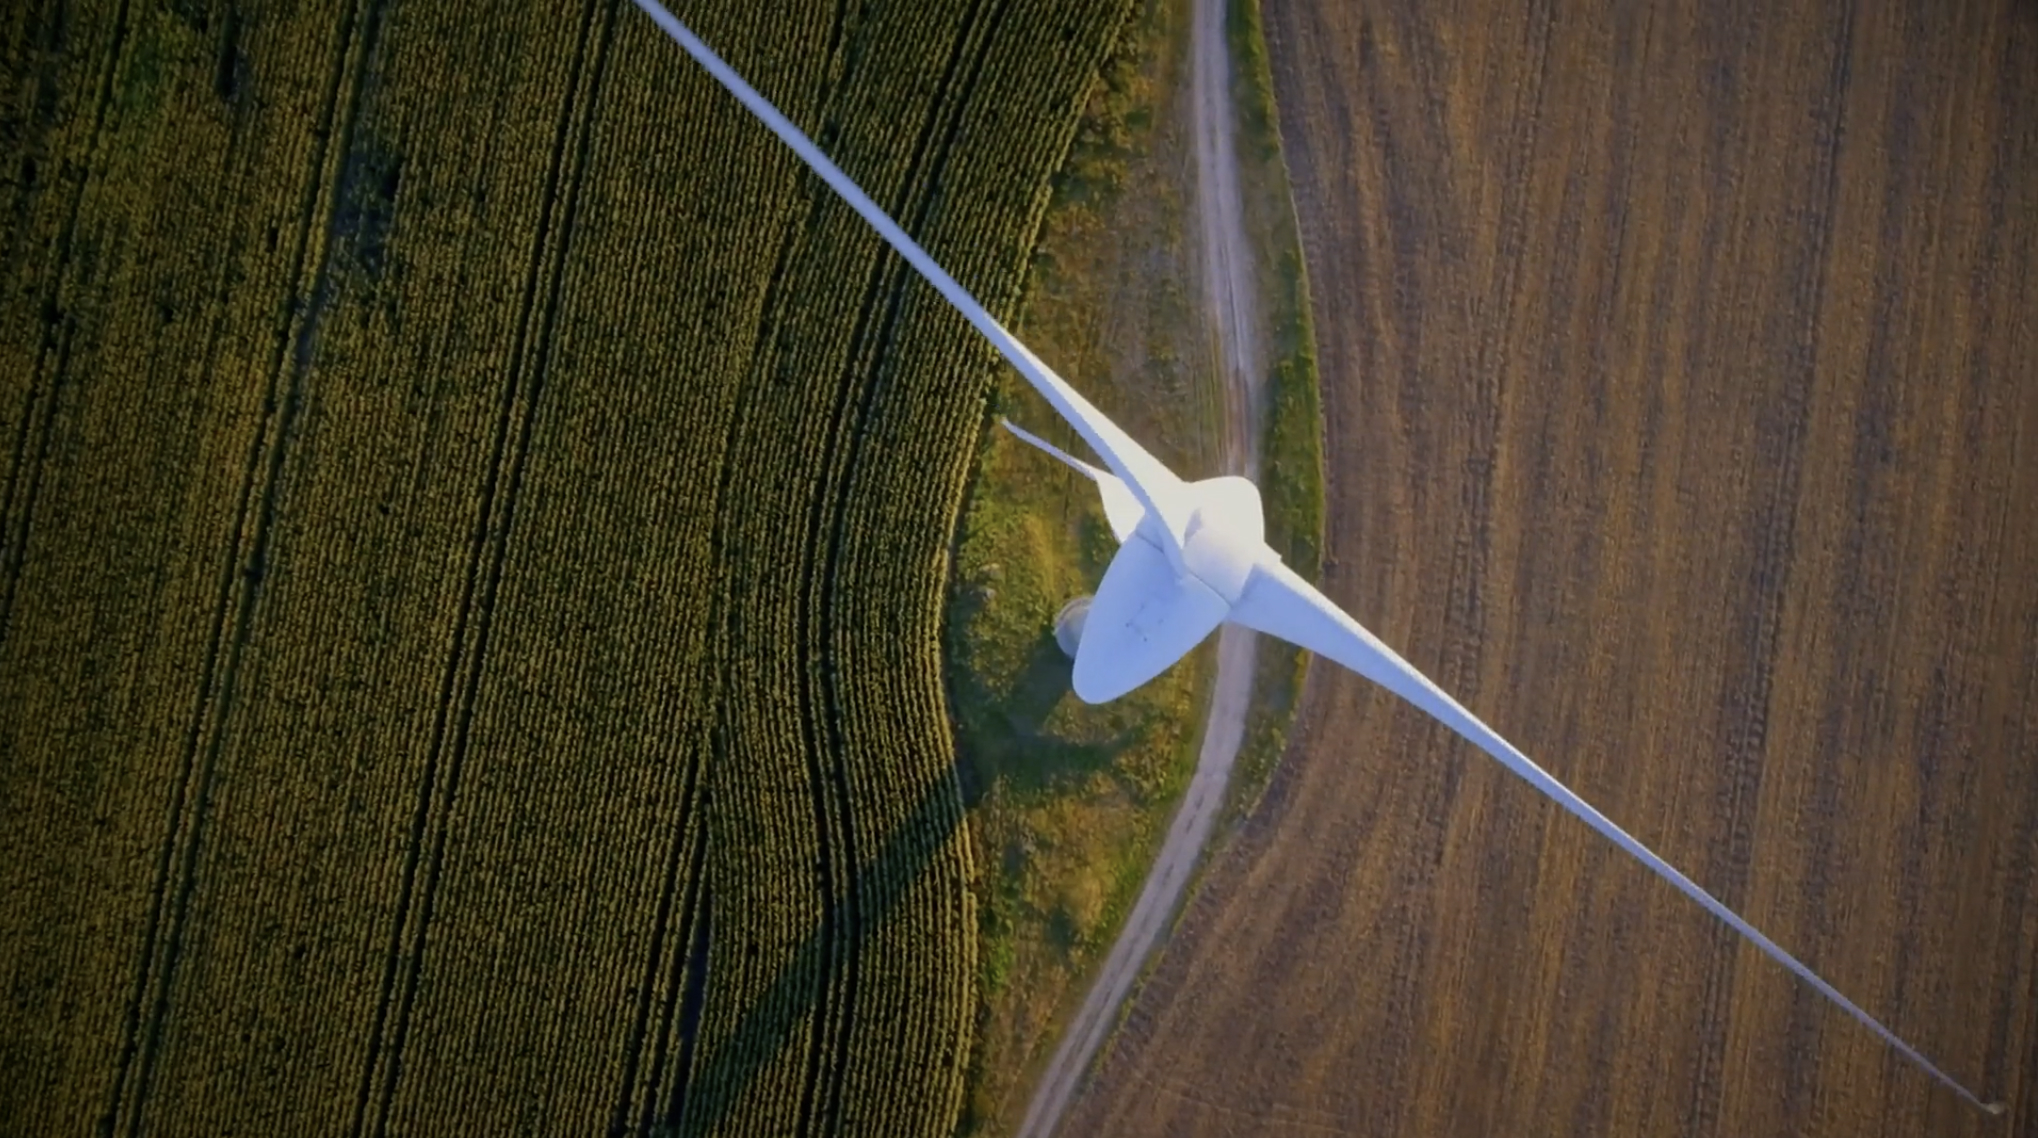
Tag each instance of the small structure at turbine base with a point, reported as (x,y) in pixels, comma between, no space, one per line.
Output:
(1068,625)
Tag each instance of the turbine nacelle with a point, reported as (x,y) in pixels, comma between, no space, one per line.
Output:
(1166,588)
(1222,531)
(1226,535)
(1151,610)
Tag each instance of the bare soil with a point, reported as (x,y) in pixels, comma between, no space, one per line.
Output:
(1679,395)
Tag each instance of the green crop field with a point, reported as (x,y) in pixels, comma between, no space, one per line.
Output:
(475,534)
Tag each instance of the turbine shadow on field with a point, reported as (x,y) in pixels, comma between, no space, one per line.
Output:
(1039,737)
(718,1082)
(1041,687)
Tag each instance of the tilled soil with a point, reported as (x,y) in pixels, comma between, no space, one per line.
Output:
(1680,375)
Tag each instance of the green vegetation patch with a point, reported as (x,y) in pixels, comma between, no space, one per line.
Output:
(1291,444)
(1069,803)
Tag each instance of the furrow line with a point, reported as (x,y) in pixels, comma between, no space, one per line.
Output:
(1745,708)
(890,282)
(248,548)
(678,870)
(689,1094)
(295,380)
(432,817)
(13,532)
(690,982)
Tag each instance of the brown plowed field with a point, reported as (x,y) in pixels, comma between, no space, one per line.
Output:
(1682,418)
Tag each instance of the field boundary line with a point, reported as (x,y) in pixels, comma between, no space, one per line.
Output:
(688,852)
(246,562)
(439,785)
(16,556)
(869,348)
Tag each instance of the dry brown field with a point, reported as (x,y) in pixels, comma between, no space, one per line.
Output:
(1680,369)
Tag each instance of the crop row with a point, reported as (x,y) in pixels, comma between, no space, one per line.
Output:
(507,510)
(839,752)
(347,768)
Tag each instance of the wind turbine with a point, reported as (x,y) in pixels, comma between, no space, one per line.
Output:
(1193,555)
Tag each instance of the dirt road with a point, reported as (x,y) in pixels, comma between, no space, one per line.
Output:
(1231,303)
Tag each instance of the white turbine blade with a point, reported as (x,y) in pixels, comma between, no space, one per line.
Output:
(1144,617)
(1153,484)
(1278,602)
(1121,509)
(1077,464)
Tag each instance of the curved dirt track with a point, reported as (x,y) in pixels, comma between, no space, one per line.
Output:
(1676,368)
(1232,307)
